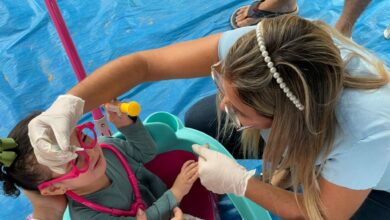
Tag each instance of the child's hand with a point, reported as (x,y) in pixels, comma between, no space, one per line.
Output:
(119,120)
(184,181)
(177,214)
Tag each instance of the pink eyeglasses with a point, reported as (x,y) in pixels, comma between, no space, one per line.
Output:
(81,163)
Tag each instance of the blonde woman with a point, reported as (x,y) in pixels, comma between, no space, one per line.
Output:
(321,102)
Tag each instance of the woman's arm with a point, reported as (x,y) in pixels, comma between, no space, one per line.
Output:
(221,174)
(339,202)
(183,60)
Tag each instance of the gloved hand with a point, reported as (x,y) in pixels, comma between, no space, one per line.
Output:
(220,174)
(50,132)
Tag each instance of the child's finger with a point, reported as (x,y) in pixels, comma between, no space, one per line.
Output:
(186,164)
(192,171)
(190,166)
(113,116)
(111,105)
(109,113)
(193,178)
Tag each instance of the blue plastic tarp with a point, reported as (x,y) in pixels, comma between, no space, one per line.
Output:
(34,68)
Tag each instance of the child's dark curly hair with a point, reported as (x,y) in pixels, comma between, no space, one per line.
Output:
(25,171)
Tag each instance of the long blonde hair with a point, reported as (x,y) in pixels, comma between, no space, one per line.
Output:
(310,63)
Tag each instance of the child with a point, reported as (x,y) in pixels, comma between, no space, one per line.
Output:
(102,180)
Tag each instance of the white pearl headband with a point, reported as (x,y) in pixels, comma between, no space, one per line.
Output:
(274,72)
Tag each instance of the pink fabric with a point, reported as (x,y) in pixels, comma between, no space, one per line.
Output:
(199,202)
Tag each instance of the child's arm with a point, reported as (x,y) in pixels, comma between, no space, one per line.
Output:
(138,144)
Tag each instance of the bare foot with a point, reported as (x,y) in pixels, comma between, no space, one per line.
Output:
(269,5)
(184,181)
(242,20)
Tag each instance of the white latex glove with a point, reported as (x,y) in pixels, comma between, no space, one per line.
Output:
(221,174)
(50,132)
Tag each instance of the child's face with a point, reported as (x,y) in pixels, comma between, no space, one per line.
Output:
(95,169)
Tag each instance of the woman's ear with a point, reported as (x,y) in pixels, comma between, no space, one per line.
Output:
(55,189)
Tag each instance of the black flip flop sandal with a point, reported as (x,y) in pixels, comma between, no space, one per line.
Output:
(254,12)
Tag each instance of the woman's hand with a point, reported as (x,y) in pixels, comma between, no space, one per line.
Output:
(50,132)
(221,174)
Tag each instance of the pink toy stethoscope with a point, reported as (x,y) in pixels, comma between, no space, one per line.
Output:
(83,166)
